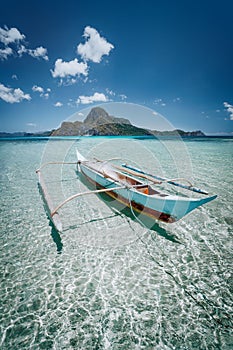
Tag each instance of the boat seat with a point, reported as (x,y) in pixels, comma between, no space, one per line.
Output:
(143,189)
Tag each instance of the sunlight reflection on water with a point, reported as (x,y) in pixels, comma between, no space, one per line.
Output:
(106,282)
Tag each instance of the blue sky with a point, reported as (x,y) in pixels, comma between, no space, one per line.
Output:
(175,57)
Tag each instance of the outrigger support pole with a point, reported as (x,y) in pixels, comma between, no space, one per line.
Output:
(103,190)
(83,194)
(56,218)
(51,163)
(169,181)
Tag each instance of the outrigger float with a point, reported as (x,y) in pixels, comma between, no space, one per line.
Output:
(130,186)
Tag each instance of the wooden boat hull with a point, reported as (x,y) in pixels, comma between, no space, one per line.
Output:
(137,207)
(158,206)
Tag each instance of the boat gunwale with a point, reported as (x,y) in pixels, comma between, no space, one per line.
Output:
(159,195)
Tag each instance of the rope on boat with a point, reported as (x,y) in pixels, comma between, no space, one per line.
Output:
(132,211)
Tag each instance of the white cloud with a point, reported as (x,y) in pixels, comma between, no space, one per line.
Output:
(110,92)
(157,101)
(97,97)
(58,104)
(13,95)
(12,35)
(123,97)
(4,53)
(31,124)
(95,46)
(22,50)
(64,69)
(229,109)
(41,91)
(39,52)
(113,94)
(177,99)
(72,81)
(160,102)
(36,88)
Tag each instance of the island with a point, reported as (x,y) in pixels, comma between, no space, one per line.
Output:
(99,123)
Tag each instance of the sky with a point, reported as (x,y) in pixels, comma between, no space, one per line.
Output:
(173,57)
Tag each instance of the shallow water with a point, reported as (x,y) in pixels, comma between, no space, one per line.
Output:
(107,281)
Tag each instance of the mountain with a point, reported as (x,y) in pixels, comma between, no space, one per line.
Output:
(26,134)
(98,116)
(99,123)
(70,129)
(197,133)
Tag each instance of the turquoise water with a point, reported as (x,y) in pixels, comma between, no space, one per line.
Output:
(107,281)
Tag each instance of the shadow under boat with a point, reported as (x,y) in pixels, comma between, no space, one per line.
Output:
(119,209)
(56,238)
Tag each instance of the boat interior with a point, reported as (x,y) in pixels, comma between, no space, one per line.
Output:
(115,175)
(129,180)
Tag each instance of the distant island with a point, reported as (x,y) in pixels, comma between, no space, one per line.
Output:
(25,134)
(99,123)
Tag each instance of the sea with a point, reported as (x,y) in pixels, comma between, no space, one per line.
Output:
(111,280)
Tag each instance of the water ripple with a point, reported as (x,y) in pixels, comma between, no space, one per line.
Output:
(107,282)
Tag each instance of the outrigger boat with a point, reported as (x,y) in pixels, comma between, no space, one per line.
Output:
(132,187)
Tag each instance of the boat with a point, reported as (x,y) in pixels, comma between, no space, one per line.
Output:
(139,191)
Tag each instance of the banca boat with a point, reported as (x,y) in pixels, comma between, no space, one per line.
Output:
(130,186)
